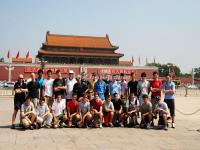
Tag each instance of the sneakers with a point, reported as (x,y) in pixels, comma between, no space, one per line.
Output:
(31,127)
(173,125)
(111,125)
(148,126)
(13,126)
(121,125)
(100,126)
(165,128)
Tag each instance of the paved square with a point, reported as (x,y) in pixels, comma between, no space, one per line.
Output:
(183,137)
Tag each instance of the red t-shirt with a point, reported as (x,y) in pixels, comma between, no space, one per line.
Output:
(96,105)
(156,84)
(73,106)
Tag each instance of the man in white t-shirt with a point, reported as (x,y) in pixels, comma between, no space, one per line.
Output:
(58,111)
(70,84)
(47,92)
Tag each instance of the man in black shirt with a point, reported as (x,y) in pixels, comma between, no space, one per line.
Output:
(34,90)
(59,85)
(20,89)
(107,81)
(132,85)
(79,87)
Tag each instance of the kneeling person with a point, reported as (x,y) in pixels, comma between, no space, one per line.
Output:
(163,111)
(108,111)
(28,114)
(146,112)
(44,117)
(73,111)
(58,111)
(84,111)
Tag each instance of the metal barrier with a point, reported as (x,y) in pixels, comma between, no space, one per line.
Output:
(6,92)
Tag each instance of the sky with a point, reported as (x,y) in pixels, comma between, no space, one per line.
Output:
(168,30)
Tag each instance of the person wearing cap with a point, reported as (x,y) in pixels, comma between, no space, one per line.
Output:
(161,109)
(48,89)
(28,114)
(169,91)
(70,81)
(34,90)
(143,87)
(114,86)
(124,85)
(96,110)
(44,117)
(40,80)
(100,88)
(92,81)
(84,111)
(73,111)
(20,89)
(146,112)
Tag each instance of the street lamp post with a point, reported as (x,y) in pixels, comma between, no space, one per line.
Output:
(9,68)
(42,63)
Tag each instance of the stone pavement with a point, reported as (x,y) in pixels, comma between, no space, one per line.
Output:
(183,137)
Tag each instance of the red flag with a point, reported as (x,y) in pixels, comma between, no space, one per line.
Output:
(8,54)
(17,56)
(154,60)
(132,60)
(139,60)
(27,55)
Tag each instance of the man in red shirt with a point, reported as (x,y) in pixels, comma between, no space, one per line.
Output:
(73,111)
(155,88)
(96,110)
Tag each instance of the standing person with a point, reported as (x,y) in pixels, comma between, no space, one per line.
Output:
(58,111)
(79,87)
(85,83)
(169,91)
(59,86)
(96,110)
(155,88)
(70,85)
(73,111)
(108,111)
(162,109)
(123,84)
(40,80)
(114,87)
(92,81)
(44,117)
(34,90)
(28,114)
(100,88)
(143,87)
(107,81)
(20,89)
(84,111)
(132,85)
(48,89)
(146,112)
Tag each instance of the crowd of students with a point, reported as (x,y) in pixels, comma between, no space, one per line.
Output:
(76,101)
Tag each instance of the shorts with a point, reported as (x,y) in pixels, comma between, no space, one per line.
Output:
(171,105)
(17,105)
(153,102)
(49,101)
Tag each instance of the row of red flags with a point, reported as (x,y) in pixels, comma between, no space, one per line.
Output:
(139,60)
(17,56)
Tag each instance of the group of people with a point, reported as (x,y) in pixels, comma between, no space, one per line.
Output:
(76,101)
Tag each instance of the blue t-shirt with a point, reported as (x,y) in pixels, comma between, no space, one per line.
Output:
(40,81)
(100,87)
(114,88)
(169,86)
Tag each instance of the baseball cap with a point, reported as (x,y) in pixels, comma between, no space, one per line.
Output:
(71,72)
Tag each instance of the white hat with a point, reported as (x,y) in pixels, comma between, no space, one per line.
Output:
(71,71)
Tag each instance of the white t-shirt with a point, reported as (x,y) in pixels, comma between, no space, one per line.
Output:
(143,87)
(58,107)
(42,109)
(70,85)
(48,87)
